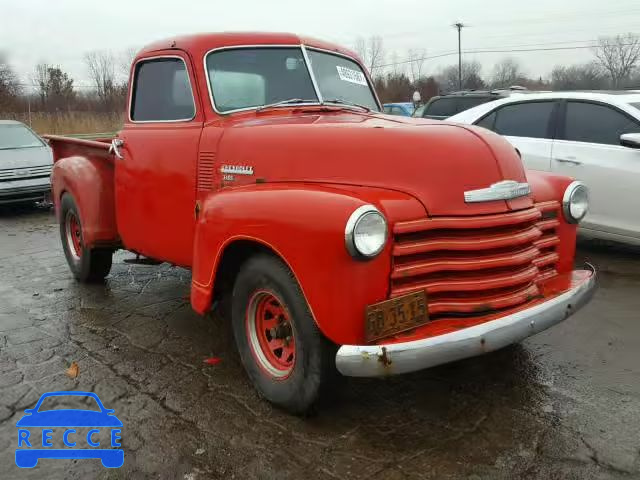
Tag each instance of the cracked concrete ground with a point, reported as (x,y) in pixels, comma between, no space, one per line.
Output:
(564,404)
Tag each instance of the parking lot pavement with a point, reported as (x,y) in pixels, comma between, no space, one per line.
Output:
(565,404)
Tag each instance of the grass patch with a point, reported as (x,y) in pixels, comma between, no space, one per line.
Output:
(65,123)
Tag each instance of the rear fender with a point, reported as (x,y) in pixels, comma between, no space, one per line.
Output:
(304,225)
(91,183)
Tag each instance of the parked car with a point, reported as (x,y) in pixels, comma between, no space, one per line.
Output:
(591,136)
(404,109)
(263,163)
(445,106)
(25,164)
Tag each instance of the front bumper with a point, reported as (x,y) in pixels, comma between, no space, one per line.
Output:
(18,191)
(395,358)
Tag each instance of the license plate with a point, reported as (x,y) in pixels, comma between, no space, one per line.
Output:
(396,315)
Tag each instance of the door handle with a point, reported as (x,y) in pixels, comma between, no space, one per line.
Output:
(116,143)
(570,160)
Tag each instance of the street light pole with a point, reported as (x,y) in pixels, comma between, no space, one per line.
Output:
(459,26)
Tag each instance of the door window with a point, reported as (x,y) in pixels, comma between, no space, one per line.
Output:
(532,119)
(594,123)
(162,91)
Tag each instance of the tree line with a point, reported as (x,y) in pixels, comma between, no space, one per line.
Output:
(615,65)
(50,89)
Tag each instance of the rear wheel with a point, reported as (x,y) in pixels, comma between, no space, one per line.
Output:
(86,264)
(281,348)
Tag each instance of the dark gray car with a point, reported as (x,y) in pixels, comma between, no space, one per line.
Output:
(25,164)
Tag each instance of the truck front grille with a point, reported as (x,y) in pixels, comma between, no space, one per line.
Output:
(478,264)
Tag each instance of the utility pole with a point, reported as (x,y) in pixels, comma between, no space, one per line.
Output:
(459,26)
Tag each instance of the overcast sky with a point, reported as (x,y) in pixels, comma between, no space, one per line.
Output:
(61,31)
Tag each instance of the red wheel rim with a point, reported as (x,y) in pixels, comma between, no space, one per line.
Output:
(74,234)
(270,334)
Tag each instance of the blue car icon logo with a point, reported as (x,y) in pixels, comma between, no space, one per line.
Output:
(34,445)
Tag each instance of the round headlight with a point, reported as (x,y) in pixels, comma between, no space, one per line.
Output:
(366,232)
(575,202)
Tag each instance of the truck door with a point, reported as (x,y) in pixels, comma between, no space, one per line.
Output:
(156,178)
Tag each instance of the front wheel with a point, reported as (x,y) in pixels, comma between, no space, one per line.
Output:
(86,264)
(281,348)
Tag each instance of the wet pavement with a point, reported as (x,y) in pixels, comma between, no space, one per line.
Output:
(564,404)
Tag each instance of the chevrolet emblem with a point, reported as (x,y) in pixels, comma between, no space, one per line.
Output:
(504,190)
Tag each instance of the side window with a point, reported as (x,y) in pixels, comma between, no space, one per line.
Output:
(443,107)
(488,121)
(524,119)
(388,109)
(162,91)
(589,122)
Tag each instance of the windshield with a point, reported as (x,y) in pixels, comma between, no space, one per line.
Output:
(340,78)
(419,112)
(244,78)
(17,136)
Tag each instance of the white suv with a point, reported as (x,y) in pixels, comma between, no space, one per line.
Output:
(591,136)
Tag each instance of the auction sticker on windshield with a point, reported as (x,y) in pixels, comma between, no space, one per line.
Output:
(69,433)
(352,76)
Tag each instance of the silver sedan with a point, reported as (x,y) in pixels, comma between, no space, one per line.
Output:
(25,164)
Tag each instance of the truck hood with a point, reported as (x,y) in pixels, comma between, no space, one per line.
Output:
(435,162)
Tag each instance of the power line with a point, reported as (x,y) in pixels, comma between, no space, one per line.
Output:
(511,50)
(36,86)
(563,18)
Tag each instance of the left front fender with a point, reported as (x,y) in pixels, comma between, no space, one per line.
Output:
(304,225)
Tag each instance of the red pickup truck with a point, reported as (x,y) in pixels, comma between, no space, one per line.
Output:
(333,236)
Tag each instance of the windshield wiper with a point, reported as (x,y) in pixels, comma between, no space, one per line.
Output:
(283,102)
(345,102)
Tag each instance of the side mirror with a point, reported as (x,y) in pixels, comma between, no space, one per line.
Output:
(631,140)
(29,411)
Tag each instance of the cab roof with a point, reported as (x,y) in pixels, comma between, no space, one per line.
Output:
(199,44)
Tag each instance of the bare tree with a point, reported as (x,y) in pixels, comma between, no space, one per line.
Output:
(371,50)
(428,87)
(101,67)
(53,86)
(589,76)
(506,73)
(471,77)
(416,63)
(619,56)
(126,58)
(9,85)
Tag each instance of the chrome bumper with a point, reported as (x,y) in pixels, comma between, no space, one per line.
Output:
(395,358)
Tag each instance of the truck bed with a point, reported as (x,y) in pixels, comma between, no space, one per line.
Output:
(67,146)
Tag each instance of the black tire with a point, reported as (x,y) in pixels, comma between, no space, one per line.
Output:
(87,265)
(313,364)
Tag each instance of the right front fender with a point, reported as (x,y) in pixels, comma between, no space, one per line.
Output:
(304,225)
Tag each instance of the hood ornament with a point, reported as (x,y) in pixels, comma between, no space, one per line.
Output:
(504,190)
